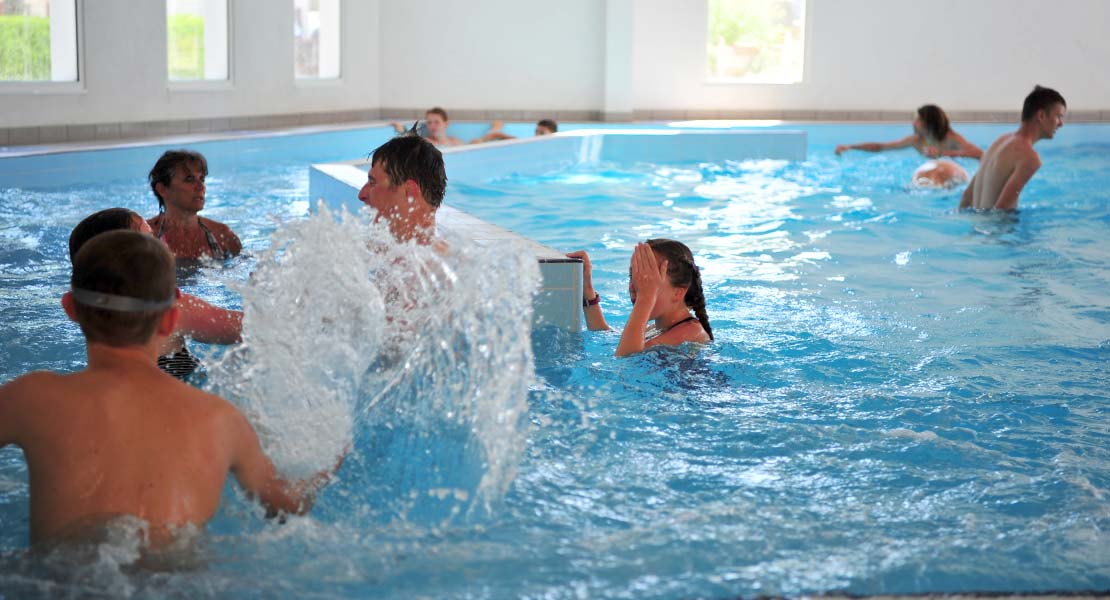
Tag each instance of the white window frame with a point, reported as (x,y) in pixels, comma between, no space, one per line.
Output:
(58,87)
(201,85)
(807,54)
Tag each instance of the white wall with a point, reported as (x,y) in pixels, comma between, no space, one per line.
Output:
(546,55)
(125,69)
(970,55)
(511,54)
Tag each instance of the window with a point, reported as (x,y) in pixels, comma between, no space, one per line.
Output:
(196,40)
(38,40)
(756,41)
(316,39)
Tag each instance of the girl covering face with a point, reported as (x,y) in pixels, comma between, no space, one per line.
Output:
(665,287)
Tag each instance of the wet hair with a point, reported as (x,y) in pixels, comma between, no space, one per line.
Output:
(682,272)
(410,156)
(163,170)
(935,121)
(109,219)
(548,123)
(123,263)
(435,110)
(1041,98)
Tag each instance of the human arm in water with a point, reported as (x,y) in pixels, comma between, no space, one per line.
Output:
(969,194)
(209,324)
(878,146)
(595,318)
(959,146)
(1023,171)
(647,277)
(256,474)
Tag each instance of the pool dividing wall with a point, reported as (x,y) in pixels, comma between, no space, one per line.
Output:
(559,300)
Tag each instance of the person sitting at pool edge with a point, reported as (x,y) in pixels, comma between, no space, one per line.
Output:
(199,320)
(1011,161)
(437,123)
(121,437)
(665,285)
(543,127)
(177,180)
(405,186)
(932,136)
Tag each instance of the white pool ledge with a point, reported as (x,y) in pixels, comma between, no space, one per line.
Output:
(559,301)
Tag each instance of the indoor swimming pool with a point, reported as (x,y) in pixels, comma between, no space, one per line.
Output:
(901,398)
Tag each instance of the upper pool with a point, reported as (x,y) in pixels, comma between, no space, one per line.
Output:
(901,398)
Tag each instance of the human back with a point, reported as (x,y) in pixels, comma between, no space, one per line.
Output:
(998,165)
(124,439)
(1011,161)
(121,437)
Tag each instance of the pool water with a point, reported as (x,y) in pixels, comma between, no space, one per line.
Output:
(901,398)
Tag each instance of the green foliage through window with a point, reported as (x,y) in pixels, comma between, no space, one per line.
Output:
(756,40)
(186,47)
(24,48)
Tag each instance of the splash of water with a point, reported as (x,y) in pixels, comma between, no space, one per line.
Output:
(417,359)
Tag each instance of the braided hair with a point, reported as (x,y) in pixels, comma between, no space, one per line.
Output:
(682,272)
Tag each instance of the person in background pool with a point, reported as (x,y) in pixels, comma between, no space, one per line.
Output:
(934,137)
(405,186)
(543,127)
(177,180)
(199,320)
(665,285)
(1011,161)
(122,438)
(437,122)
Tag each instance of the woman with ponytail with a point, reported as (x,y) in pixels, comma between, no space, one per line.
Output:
(665,285)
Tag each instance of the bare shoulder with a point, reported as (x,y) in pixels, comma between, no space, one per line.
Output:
(36,383)
(217,227)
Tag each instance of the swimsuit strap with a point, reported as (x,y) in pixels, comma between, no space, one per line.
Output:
(213,245)
(686,320)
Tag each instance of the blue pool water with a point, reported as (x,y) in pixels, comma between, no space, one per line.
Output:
(901,398)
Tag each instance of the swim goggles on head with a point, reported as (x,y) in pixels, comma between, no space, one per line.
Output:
(116,303)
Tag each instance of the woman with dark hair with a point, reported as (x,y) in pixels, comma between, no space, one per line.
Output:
(177,180)
(665,286)
(932,136)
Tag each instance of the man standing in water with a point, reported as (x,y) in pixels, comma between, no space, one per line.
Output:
(1011,161)
(437,122)
(405,185)
(122,438)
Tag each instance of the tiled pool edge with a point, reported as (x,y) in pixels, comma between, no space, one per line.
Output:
(337,184)
(559,299)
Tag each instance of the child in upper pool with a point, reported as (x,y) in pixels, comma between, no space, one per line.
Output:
(665,286)
(121,438)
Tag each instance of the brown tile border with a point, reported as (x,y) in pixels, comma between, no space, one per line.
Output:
(134,130)
(52,134)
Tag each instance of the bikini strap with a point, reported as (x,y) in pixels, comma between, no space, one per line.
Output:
(213,245)
(686,320)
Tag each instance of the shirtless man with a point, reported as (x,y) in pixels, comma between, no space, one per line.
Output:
(437,122)
(405,186)
(1010,162)
(121,437)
